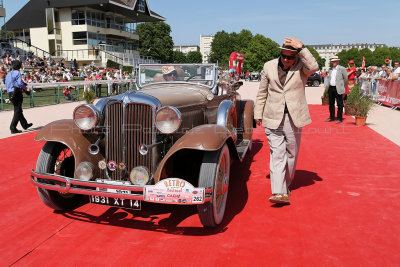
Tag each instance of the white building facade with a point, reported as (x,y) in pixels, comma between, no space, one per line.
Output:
(186,48)
(85,30)
(326,51)
(205,46)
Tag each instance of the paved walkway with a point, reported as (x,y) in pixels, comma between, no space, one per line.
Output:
(381,119)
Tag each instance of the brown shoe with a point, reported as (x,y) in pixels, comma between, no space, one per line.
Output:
(328,120)
(339,121)
(280,199)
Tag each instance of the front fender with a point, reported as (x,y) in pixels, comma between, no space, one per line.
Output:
(207,137)
(67,133)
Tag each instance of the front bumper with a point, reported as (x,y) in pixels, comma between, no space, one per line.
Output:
(69,185)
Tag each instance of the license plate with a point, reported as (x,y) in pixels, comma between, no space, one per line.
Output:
(174,191)
(116,202)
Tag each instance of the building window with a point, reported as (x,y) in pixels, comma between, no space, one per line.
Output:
(78,17)
(95,19)
(95,39)
(141,6)
(79,38)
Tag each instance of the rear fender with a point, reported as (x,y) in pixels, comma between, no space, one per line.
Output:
(67,133)
(207,137)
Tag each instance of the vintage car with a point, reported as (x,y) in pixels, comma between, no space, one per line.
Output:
(255,76)
(172,141)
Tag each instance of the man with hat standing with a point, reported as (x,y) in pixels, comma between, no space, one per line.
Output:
(335,82)
(15,86)
(281,107)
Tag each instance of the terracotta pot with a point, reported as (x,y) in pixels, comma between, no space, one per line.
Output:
(360,121)
(325,101)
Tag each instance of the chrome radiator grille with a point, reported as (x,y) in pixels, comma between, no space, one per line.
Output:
(128,126)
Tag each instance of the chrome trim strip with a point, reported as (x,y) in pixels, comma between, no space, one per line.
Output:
(223,112)
(94,185)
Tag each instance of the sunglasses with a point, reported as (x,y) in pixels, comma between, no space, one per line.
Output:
(288,57)
(170,74)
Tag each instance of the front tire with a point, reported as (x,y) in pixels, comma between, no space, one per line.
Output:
(58,159)
(214,172)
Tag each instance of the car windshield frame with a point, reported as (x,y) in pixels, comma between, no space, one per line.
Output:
(202,74)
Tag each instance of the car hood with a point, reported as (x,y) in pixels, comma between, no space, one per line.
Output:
(177,95)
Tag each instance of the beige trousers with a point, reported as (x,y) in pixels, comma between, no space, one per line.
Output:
(284,144)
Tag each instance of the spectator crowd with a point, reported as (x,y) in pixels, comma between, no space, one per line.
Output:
(46,70)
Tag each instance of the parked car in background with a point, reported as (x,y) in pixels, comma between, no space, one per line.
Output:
(255,76)
(170,142)
(314,79)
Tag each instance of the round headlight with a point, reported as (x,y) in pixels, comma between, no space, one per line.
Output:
(168,120)
(84,171)
(139,176)
(85,117)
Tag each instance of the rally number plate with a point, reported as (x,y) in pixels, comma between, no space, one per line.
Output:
(174,191)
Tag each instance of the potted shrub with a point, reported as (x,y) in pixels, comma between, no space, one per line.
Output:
(325,98)
(352,98)
(89,96)
(362,108)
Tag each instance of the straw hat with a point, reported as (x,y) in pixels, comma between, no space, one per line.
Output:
(167,69)
(335,58)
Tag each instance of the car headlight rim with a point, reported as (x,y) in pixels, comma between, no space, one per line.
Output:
(168,126)
(85,117)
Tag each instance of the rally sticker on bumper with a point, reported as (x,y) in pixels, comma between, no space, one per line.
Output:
(174,191)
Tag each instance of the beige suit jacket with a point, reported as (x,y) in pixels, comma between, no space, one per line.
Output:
(341,79)
(272,95)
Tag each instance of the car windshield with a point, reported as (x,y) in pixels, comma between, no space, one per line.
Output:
(203,74)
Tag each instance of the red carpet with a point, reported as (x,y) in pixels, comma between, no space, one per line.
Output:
(344,212)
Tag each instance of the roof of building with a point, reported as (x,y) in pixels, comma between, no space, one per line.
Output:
(33,14)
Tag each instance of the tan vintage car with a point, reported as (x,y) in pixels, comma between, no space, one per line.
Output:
(172,141)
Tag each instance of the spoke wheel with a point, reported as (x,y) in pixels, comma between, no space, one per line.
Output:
(56,158)
(214,172)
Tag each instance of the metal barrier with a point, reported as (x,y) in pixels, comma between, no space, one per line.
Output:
(52,93)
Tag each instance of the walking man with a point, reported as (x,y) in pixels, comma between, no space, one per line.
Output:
(282,109)
(15,86)
(335,82)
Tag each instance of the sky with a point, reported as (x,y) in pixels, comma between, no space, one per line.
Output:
(313,22)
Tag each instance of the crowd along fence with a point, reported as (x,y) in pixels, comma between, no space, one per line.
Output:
(53,93)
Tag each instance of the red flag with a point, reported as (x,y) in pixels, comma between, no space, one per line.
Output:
(363,63)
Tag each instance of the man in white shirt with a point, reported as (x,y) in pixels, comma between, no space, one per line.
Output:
(335,82)
(396,73)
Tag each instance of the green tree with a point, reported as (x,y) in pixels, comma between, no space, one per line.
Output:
(194,57)
(320,61)
(260,50)
(155,40)
(380,55)
(221,48)
(179,57)
(351,54)
(394,54)
(242,40)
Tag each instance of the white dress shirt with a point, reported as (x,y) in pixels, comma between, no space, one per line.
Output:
(333,77)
